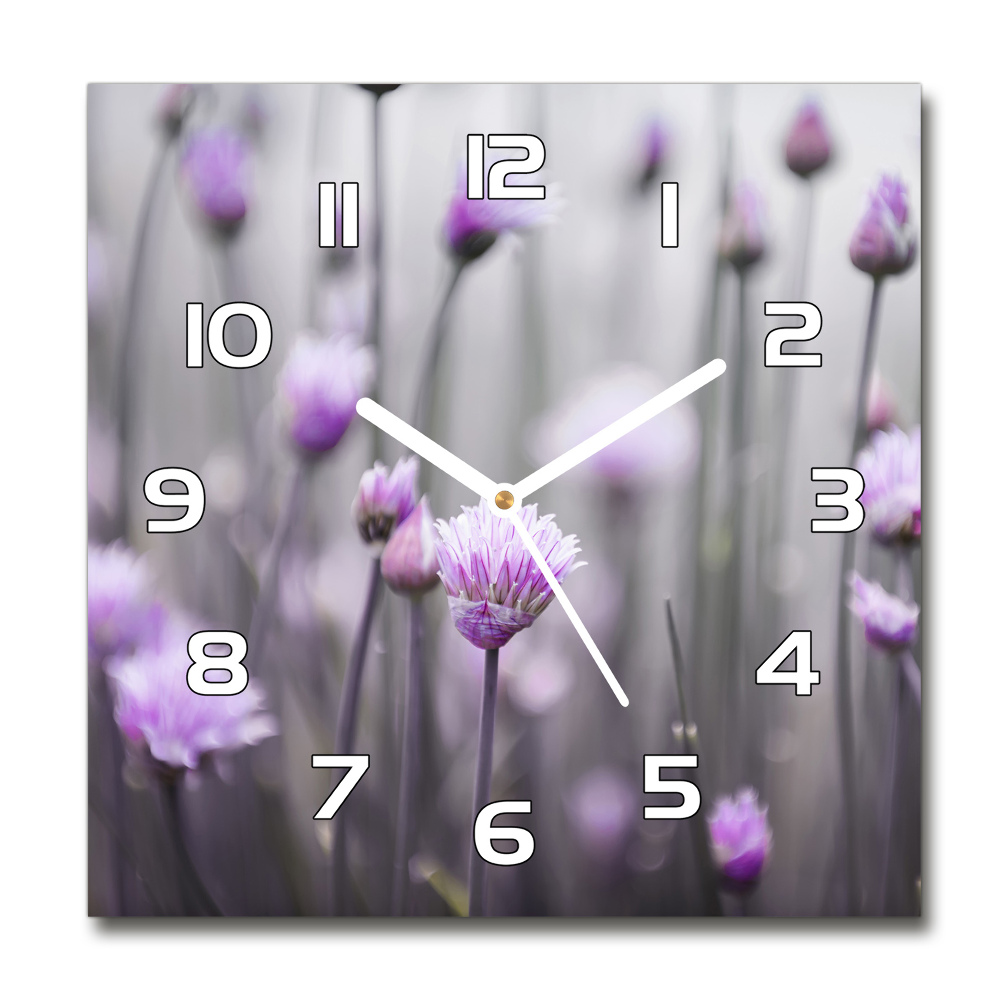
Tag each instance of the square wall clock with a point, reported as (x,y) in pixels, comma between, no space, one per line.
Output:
(504,500)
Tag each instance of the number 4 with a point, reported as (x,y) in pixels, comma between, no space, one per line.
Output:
(357,764)
(803,676)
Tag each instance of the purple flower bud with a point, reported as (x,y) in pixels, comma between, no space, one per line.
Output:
(742,238)
(159,713)
(890,622)
(494,587)
(655,147)
(319,388)
(808,145)
(741,838)
(384,499)
(174,106)
(890,467)
(121,613)
(409,561)
(881,404)
(216,169)
(884,243)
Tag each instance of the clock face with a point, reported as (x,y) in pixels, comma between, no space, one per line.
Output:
(504,500)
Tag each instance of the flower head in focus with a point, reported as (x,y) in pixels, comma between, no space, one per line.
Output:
(121,612)
(890,467)
(742,238)
(890,622)
(158,712)
(807,148)
(215,167)
(884,242)
(741,838)
(655,149)
(472,226)
(384,500)
(409,560)
(664,448)
(602,807)
(174,106)
(319,388)
(494,587)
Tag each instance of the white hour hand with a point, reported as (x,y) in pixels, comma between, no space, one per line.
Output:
(620,428)
(423,446)
(529,544)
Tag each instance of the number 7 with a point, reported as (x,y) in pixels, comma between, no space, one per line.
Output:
(357,764)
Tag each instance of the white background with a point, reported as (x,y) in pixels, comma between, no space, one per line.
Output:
(50,945)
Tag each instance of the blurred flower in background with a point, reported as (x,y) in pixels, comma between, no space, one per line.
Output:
(494,587)
(881,403)
(409,560)
(602,810)
(215,169)
(890,622)
(655,150)
(158,712)
(175,105)
(121,611)
(384,499)
(890,467)
(808,146)
(539,675)
(319,388)
(742,238)
(884,242)
(664,448)
(741,838)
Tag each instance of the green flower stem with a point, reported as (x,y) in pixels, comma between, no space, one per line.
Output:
(845,702)
(484,772)
(195,898)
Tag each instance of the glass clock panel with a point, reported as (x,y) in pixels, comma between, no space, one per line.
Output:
(504,500)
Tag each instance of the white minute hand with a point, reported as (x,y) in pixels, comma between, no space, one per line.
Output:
(619,428)
(426,448)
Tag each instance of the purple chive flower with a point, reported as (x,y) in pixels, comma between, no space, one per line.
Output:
(216,168)
(742,239)
(472,227)
(158,712)
(808,146)
(884,242)
(665,448)
(384,499)
(881,404)
(602,807)
(741,838)
(174,106)
(494,587)
(890,466)
(409,560)
(319,388)
(890,622)
(655,147)
(121,612)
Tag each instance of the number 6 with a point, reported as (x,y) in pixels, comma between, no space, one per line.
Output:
(486,833)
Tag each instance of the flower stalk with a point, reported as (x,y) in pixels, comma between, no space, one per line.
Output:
(484,772)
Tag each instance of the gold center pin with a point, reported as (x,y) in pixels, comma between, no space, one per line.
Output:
(504,500)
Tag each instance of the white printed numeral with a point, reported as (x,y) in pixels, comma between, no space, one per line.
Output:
(774,357)
(486,833)
(803,676)
(652,763)
(348,214)
(849,500)
(193,501)
(356,763)
(216,335)
(669,202)
(497,180)
(201,662)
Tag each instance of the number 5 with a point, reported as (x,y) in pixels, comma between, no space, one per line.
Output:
(652,763)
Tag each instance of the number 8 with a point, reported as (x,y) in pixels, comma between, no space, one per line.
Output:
(201,662)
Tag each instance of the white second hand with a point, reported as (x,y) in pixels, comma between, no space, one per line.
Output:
(561,597)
